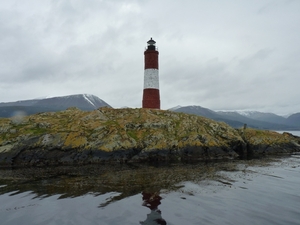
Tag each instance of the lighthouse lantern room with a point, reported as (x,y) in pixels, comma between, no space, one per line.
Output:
(151,97)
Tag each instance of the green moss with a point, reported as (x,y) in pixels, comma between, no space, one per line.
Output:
(37,131)
(132,135)
(111,123)
(18,126)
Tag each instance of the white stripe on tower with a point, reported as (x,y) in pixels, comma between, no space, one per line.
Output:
(151,78)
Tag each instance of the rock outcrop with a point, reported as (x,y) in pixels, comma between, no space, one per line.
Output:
(128,135)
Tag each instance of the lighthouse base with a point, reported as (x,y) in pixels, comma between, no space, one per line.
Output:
(151,99)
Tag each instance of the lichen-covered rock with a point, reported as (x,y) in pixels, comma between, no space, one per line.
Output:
(128,135)
(270,142)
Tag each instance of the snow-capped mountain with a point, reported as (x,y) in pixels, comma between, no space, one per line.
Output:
(81,101)
(260,116)
(251,118)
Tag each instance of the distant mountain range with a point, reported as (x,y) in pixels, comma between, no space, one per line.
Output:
(82,101)
(87,102)
(253,119)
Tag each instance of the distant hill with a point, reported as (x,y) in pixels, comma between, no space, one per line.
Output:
(200,111)
(196,110)
(294,119)
(82,101)
(238,119)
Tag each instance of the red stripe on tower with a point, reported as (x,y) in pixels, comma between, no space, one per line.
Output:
(151,97)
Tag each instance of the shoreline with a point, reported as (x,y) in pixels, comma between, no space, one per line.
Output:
(32,173)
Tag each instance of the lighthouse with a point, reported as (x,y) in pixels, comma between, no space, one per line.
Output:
(151,97)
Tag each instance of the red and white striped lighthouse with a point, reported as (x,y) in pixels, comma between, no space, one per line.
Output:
(151,97)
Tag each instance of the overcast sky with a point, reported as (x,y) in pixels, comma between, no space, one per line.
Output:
(222,55)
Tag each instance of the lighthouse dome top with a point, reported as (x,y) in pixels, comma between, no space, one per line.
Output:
(151,42)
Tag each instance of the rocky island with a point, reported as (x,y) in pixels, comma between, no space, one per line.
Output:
(106,135)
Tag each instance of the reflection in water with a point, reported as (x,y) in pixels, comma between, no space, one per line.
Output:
(127,180)
(112,195)
(152,200)
(70,182)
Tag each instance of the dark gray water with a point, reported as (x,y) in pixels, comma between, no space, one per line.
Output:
(243,192)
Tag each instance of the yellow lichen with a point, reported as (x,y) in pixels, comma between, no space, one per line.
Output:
(75,140)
